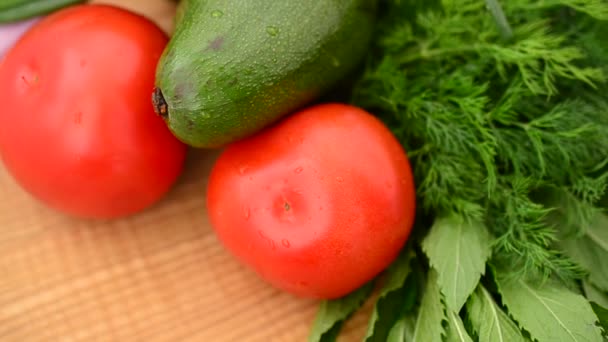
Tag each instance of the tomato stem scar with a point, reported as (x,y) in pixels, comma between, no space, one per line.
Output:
(286,206)
(160,105)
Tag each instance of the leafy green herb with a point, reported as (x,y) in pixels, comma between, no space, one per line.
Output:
(458,249)
(602,314)
(396,297)
(403,330)
(591,251)
(487,122)
(502,107)
(456,331)
(489,321)
(550,312)
(431,314)
(595,295)
(333,313)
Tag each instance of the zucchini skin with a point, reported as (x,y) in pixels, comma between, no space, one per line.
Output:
(233,67)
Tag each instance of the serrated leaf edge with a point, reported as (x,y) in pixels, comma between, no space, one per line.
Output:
(507,311)
(460,223)
(518,323)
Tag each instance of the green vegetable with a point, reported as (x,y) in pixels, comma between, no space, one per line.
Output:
(17,10)
(233,68)
(403,330)
(503,109)
(550,312)
(456,331)
(595,295)
(332,314)
(458,250)
(590,250)
(397,296)
(488,319)
(602,314)
(431,313)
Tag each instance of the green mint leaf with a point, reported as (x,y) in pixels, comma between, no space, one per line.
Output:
(458,250)
(456,331)
(550,312)
(431,314)
(489,321)
(594,294)
(333,313)
(403,330)
(395,297)
(591,251)
(602,315)
(598,232)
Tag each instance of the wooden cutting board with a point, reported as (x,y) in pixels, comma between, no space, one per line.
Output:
(157,276)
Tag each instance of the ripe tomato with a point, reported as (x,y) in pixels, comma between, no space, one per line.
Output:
(77,126)
(317,204)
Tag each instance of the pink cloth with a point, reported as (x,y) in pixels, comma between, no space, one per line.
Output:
(10,33)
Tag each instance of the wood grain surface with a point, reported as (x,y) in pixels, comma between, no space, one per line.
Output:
(157,276)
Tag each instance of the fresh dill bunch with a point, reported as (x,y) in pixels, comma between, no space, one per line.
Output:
(496,113)
(525,239)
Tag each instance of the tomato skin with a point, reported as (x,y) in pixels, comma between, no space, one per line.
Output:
(77,126)
(317,204)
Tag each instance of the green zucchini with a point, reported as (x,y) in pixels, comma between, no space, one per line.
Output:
(233,67)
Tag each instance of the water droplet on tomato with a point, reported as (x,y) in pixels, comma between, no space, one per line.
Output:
(298,169)
(286,243)
(339,179)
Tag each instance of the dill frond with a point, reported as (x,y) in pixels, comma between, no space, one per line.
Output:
(525,238)
(491,124)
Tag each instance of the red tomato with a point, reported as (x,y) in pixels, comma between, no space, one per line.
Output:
(317,204)
(77,126)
